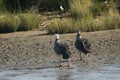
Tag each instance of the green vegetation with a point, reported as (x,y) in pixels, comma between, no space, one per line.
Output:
(18,22)
(80,8)
(87,15)
(61,26)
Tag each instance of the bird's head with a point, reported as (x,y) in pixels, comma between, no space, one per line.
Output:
(57,36)
(78,33)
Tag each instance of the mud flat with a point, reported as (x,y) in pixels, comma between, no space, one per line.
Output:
(34,49)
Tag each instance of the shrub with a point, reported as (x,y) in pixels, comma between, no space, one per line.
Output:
(28,22)
(84,19)
(99,8)
(80,8)
(61,26)
(18,22)
(112,22)
(8,23)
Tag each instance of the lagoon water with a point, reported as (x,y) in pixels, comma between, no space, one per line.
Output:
(106,72)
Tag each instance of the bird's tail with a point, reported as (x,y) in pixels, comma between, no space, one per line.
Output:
(67,55)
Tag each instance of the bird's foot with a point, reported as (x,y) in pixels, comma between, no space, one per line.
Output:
(60,65)
(81,59)
(70,66)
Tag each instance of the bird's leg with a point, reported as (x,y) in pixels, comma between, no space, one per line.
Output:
(87,57)
(80,56)
(60,60)
(69,62)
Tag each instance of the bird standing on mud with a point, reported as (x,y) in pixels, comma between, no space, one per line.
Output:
(82,44)
(62,49)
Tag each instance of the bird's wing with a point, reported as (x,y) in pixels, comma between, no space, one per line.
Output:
(63,46)
(86,44)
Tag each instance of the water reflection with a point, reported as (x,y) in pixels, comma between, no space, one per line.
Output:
(108,72)
(64,74)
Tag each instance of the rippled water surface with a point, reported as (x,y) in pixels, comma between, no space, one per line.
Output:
(108,72)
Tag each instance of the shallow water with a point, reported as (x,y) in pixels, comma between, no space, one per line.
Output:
(106,72)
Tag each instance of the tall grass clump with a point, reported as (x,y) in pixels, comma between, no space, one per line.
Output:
(80,8)
(18,22)
(8,23)
(105,22)
(111,19)
(82,13)
(81,18)
(61,26)
(93,17)
(28,22)
(111,22)
(88,16)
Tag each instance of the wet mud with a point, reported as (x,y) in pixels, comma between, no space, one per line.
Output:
(30,56)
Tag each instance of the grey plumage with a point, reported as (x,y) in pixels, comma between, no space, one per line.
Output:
(82,44)
(62,49)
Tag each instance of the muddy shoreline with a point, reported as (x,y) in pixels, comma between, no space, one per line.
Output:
(35,49)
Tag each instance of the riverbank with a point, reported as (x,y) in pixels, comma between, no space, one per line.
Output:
(35,48)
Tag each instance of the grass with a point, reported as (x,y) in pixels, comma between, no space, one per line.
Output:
(69,25)
(84,15)
(84,18)
(80,8)
(18,22)
(28,22)
(8,23)
(61,26)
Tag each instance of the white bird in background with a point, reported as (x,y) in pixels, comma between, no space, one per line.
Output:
(62,9)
